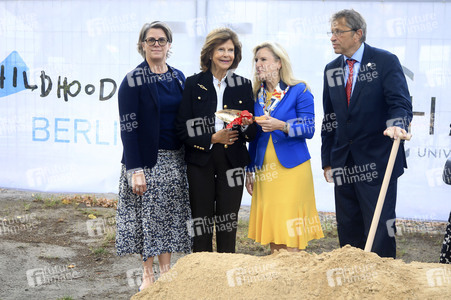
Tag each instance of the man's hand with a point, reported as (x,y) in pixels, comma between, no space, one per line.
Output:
(328,174)
(395,132)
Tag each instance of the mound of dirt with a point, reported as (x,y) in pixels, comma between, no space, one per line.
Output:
(346,273)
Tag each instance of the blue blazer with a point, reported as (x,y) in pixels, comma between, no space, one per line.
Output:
(380,98)
(139,112)
(297,109)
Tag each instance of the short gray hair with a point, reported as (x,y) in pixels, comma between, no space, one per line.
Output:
(353,19)
(142,35)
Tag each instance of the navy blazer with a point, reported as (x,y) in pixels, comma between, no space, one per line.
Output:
(196,118)
(297,109)
(139,112)
(380,99)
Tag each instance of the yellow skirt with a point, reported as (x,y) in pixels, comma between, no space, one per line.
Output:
(283,209)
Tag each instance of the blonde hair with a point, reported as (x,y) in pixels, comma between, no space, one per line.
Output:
(285,72)
(215,38)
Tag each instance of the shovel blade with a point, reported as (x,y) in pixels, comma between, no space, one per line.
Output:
(228,115)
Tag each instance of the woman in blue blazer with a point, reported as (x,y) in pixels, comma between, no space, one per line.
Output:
(279,178)
(153,207)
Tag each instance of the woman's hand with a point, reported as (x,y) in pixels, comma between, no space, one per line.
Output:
(247,121)
(139,183)
(328,174)
(250,182)
(224,136)
(270,124)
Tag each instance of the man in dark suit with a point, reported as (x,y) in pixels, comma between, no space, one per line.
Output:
(366,104)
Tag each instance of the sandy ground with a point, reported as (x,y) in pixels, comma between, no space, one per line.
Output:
(346,273)
(52,251)
(46,252)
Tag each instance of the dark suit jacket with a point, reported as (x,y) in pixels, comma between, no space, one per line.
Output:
(195,121)
(380,99)
(139,113)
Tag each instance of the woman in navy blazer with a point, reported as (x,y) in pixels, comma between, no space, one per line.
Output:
(216,156)
(153,207)
(283,211)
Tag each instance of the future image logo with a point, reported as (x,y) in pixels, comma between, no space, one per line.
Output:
(301,226)
(356,173)
(206,225)
(310,26)
(413,24)
(50,275)
(235,177)
(419,225)
(200,126)
(366,73)
(335,77)
(196,27)
(350,274)
(255,273)
(439,276)
(121,23)
(101,226)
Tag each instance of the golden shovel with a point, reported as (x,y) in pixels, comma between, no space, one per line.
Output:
(228,115)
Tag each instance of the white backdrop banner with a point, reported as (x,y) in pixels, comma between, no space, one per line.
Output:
(62,63)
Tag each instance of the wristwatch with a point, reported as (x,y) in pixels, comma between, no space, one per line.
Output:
(286,127)
(132,172)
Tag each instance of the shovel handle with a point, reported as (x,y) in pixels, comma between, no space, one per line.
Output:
(259,118)
(382,194)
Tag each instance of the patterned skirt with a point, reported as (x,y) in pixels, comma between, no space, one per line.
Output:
(445,256)
(156,222)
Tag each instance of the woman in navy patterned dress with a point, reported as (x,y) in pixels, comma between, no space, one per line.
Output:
(153,208)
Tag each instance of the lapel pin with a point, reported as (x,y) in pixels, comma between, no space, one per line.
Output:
(202,87)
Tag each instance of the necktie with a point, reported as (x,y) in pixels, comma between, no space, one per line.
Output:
(350,63)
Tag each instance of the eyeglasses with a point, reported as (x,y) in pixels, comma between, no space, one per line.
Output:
(338,32)
(152,41)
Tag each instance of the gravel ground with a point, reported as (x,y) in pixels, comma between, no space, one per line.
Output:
(48,250)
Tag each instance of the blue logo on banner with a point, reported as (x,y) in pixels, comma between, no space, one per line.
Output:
(11,68)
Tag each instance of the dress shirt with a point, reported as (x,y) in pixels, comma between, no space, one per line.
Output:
(220,87)
(357,56)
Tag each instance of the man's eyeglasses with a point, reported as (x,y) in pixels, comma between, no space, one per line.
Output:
(152,41)
(338,32)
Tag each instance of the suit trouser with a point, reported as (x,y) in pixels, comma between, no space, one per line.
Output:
(355,204)
(215,202)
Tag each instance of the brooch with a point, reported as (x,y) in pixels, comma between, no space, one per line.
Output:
(202,87)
